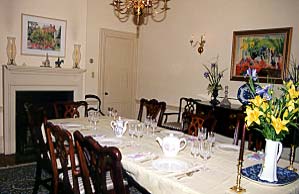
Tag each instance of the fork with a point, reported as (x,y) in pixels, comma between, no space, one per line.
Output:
(187,174)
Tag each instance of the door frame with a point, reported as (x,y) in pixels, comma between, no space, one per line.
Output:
(104,34)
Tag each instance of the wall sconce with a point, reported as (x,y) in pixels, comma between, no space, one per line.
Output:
(201,43)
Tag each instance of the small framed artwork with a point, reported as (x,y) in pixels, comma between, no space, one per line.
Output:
(41,36)
(266,50)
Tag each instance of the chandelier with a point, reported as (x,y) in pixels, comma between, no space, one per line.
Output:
(140,9)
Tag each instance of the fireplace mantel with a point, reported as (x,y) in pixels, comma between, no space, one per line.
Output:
(25,78)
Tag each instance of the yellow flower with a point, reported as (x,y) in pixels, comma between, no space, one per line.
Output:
(293,92)
(252,116)
(257,101)
(264,106)
(279,125)
(290,105)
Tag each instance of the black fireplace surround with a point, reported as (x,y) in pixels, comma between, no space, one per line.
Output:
(24,144)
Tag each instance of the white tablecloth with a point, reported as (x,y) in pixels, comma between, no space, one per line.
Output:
(218,179)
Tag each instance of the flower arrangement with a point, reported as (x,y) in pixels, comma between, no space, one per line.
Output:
(273,116)
(214,76)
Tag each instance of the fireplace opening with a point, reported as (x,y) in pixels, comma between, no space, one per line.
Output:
(24,145)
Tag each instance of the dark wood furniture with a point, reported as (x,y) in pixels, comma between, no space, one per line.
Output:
(187,106)
(92,97)
(153,108)
(229,119)
(101,166)
(36,116)
(69,109)
(62,152)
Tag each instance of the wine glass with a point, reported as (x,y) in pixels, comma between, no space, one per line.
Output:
(94,118)
(110,109)
(205,151)
(147,122)
(202,133)
(132,129)
(195,147)
(114,114)
(139,131)
(154,126)
(211,139)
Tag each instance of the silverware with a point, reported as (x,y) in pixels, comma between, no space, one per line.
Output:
(187,174)
(149,159)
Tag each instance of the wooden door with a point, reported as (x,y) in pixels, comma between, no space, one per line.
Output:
(118,71)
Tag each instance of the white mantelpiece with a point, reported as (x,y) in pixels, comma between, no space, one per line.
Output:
(19,78)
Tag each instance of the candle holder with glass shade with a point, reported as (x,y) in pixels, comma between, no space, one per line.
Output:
(11,50)
(76,56)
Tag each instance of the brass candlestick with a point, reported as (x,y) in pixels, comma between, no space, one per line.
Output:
(237,188)
(292,156)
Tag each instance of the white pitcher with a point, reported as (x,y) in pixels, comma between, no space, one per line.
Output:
(119,127)
(272,154)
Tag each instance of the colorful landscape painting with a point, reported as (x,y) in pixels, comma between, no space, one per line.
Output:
(41,36)
(265,52)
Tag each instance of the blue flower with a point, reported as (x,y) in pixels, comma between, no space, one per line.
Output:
(265,92)
(251,73)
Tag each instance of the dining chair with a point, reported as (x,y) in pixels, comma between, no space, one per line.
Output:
(69,109)
(187,106)
(101,166)
(62,153)
(153,108)
(36,116)
(91,97)
(196,122)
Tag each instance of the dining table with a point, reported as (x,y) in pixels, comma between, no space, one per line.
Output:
(144,160)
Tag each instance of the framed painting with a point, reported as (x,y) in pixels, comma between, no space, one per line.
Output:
(266,50)
(41,36)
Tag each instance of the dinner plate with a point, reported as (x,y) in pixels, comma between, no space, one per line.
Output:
(284,175)
(170,165)
(70,125)
(109,141)
(228,147)
(176,133)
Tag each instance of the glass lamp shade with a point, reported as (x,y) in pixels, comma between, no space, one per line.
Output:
(11,50)
(76,56)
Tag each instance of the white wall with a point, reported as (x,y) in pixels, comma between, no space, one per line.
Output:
(73,11)
(171,68)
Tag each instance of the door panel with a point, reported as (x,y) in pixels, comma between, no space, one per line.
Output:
(118,71)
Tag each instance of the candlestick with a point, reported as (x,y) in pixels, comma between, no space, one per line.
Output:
(241,153)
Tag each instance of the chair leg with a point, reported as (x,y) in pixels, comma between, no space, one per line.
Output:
(38,174)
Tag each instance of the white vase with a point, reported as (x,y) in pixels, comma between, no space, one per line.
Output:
(272,154)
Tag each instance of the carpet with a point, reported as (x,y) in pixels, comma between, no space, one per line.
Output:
(19,179)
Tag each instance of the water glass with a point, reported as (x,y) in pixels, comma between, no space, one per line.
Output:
(205,151)
(202,133)
(93,118)
(153,126)
(195,147)
(132,129)
(147,121)
(139,131)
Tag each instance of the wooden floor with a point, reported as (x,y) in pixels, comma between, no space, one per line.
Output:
(15,159)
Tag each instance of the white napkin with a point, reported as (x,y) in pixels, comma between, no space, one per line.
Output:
(141,156)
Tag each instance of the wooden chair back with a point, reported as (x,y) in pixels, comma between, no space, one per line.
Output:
(69,109)
(101,162)
(36,117)
(89,97)
(196,122)
(153,108)
(62,149)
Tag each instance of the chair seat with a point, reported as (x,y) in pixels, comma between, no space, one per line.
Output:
(173,125)
(81,186)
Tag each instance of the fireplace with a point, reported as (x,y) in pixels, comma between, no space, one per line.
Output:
(24,144)
(17,80)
